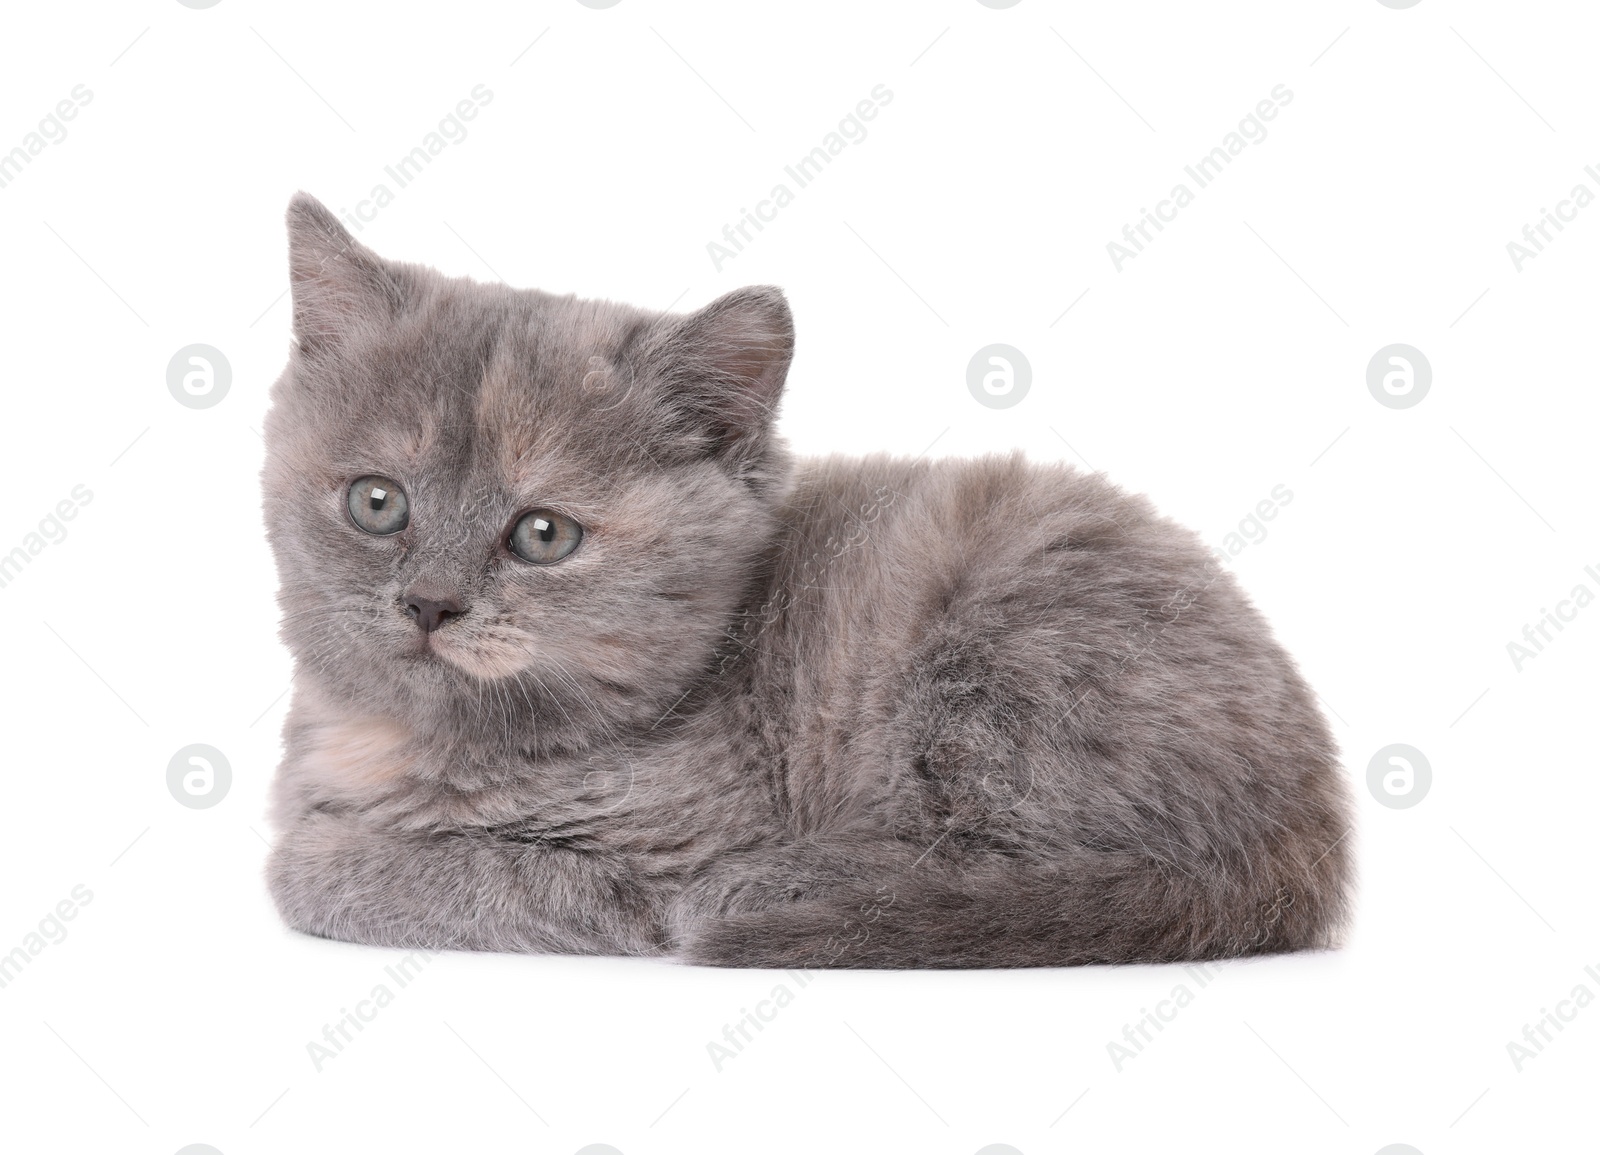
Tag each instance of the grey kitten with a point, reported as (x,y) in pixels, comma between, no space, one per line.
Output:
(586,662)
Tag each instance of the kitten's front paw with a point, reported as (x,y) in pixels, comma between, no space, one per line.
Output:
(296,870)
(324,876)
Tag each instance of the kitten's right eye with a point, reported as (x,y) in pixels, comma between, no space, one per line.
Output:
(378,505)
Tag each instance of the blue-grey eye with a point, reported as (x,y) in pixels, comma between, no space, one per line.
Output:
(378,505)
(543,536)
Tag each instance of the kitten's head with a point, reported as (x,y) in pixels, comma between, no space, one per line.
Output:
(500,510)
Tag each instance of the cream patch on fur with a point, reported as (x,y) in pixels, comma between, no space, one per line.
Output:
(505,417)
(362,752)
(486,656)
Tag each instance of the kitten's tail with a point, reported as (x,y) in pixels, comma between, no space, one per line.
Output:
(1089,908)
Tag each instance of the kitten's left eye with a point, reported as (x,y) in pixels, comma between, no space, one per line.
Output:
(543,536)
(378,505)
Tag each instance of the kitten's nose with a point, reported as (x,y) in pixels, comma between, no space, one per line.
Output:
(431,613)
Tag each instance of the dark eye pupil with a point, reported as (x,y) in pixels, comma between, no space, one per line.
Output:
(545,529)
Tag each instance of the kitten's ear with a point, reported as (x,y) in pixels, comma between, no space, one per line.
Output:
(727,362)
(337,282)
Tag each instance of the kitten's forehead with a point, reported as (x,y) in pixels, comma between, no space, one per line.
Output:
(508,391)
(555,389)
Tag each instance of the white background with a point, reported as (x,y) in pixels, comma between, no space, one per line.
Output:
(1226,359)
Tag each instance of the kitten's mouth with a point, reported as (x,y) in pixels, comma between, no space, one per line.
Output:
(427,648)
(432,648)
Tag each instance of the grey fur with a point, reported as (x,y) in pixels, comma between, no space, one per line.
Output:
(772,712)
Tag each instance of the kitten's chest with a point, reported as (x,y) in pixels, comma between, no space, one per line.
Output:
(380,768)
(384,772)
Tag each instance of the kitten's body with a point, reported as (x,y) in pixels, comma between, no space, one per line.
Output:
(829,712)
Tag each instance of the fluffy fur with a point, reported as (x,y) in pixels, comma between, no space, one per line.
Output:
(771,712)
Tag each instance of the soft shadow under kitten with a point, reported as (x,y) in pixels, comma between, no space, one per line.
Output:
(586,662)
